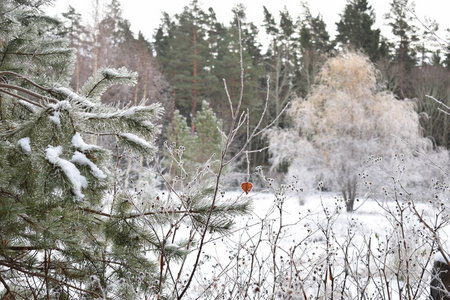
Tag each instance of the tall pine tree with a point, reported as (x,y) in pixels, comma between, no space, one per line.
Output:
(355,29)
(182,49)
(405,32)
(315,47)
(282,60)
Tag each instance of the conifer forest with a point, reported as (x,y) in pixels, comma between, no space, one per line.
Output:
(205,162)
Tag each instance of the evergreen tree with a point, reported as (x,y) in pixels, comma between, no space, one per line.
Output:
(405,31)
(53,184)
(355,29)
(182,49)
(282,61)
(207,133)
(228,65)
(68,230)
(77,34)
(315,47)
(425,40)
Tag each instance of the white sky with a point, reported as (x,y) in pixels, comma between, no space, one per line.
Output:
(145,15)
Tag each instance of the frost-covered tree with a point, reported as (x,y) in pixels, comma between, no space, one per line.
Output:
(342,123)
(63,234)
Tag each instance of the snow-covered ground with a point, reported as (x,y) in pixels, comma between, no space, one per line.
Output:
(309,247)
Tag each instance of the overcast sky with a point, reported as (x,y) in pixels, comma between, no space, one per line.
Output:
(145,15)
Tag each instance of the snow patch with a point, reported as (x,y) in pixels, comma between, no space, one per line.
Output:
(135,139)
(75,97)
(77,180)
(111,72)
(148,124)
(78,142)
(81,159)
(124,113)
(132,110)
(24,143)
(28,105)
(61,105)
(55,118)
(440,258)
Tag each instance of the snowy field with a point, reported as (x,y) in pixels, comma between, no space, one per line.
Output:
(309,247)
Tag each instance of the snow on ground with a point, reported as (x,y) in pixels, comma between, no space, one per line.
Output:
(299,241)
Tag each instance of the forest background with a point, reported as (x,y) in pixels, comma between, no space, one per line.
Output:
(192,52)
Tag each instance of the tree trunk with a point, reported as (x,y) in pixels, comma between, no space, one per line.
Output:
(194,83)
(349,194)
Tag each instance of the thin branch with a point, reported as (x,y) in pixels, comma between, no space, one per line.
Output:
(34,274)
(27,91)
(26,79)
(150,213)
(439,102)
(438,39)
(95,86)
(228,97)
(257,150)
(21,98)
(445,112)
(273,122)
(8,289)
(31,54)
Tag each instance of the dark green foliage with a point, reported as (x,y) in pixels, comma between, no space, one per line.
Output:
(403,28)
(315,47)
(183,49)
(205,144)
(53,184)
(355,29)
(282,61)
(197,53)
(43,55)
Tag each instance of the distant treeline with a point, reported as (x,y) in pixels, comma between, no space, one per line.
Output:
(192,54)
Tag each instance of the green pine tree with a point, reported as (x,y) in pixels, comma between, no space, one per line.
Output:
(73,28)
(56,237)
(315,47)
(68,230)
(228,66)
(282,61)
(207,134)
(355,29)
(182,48)
(405,56)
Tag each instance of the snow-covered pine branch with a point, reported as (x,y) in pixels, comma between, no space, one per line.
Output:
(97,85)
(70,171)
